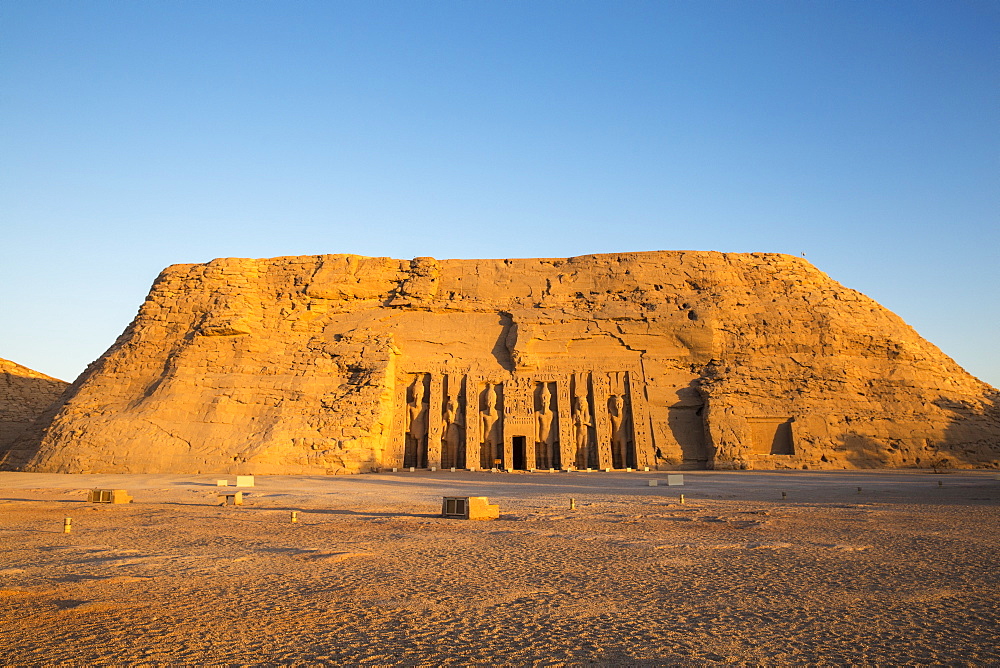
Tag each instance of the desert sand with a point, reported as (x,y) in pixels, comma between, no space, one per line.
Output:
(904,571)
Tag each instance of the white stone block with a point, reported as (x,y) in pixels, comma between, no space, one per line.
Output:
(653,483)
(222,483)
(244,481)
(674,480)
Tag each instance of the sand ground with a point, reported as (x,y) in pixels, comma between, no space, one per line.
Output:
(904,572)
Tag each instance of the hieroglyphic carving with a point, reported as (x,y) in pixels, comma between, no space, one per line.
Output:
(434,420)
(567,439)
(600,387)
(473,423)
(583,422)
(641,428)
(400,422)
(518,421)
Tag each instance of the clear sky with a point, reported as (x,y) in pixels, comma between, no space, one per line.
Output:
(134,135)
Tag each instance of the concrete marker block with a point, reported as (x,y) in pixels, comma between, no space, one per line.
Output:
(674,480)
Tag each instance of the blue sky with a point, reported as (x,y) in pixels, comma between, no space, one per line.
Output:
(134,135)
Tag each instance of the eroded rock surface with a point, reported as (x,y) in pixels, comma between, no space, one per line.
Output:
(341,363)
(24,396)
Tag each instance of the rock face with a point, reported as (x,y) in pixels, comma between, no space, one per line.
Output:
(341,363)
(24,396)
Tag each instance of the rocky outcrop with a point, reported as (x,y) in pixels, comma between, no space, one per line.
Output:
(24,396)
(341,363)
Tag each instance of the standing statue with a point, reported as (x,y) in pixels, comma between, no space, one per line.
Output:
(546,434)
(620,431)
(581,424)
(454,418)
(418,409)
(493,449)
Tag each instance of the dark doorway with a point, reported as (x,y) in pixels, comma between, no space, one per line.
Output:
(630,458)
(520,460)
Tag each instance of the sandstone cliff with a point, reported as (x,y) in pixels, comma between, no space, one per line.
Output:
(24,396)
(341,363)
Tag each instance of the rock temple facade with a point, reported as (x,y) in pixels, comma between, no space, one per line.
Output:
(666,360)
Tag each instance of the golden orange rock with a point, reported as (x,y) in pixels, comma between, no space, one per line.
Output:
(672,359)
(24,396)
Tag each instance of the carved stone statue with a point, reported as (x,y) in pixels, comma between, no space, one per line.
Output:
(493,444)
(454,418)
(417,431)
(582,422)
(621,431)
(546,434)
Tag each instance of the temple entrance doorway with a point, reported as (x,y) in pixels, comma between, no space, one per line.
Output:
(520,462)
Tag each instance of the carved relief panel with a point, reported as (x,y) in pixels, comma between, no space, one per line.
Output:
(468,419)
(547,431)
(417,416)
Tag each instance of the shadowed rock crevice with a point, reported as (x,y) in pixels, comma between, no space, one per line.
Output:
(24,397)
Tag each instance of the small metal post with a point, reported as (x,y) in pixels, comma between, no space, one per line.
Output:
(295,516)
(572,504)
(682,499)
(67,525)
(784,495)
(859,490)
